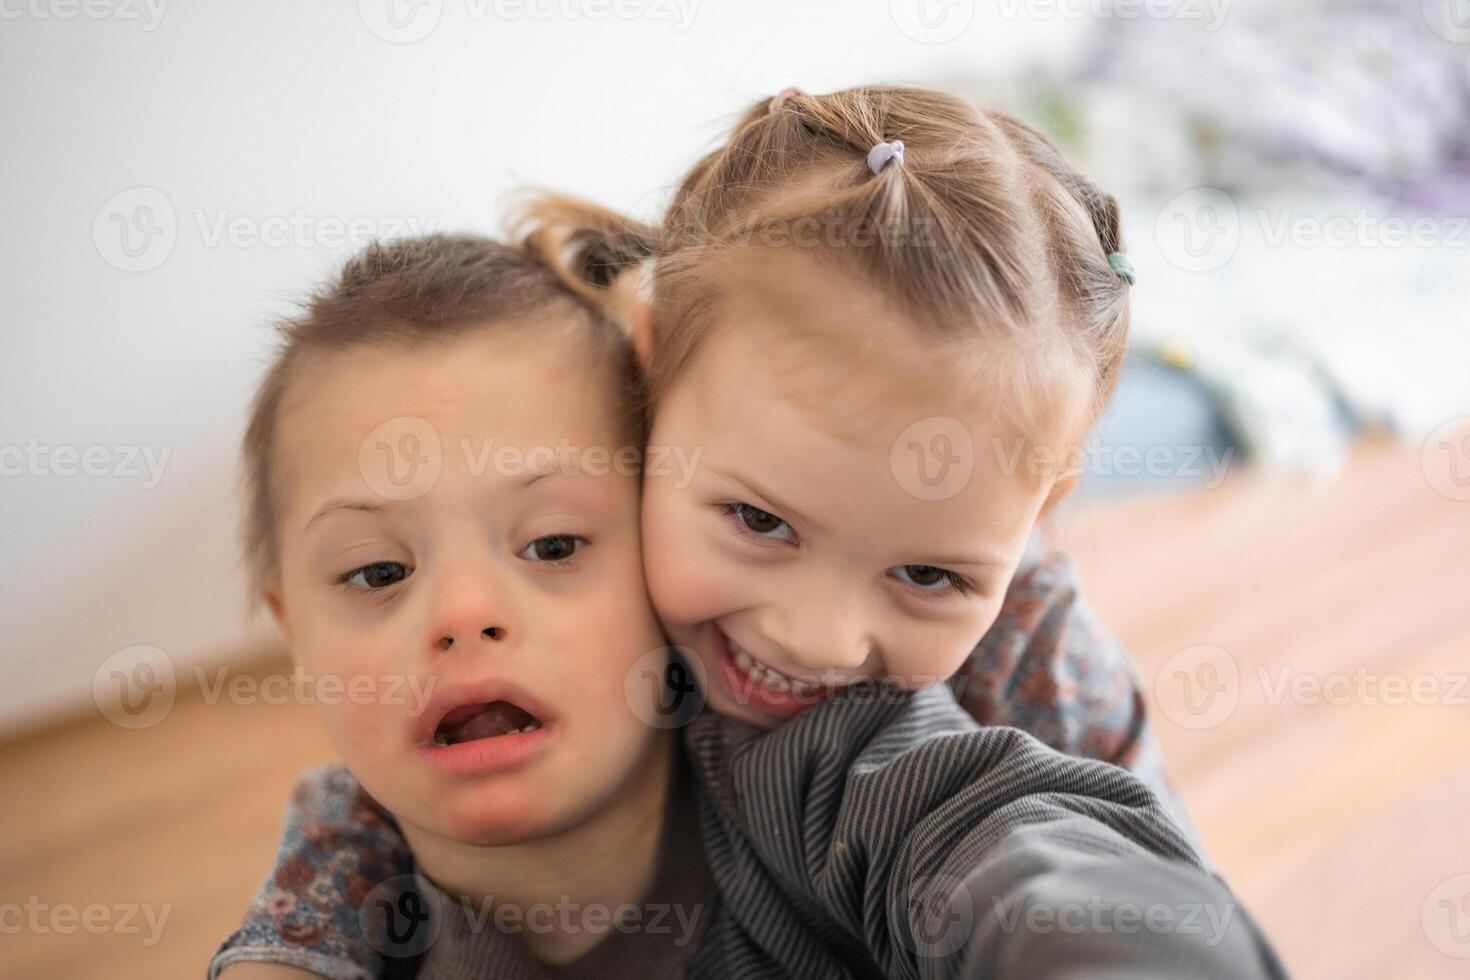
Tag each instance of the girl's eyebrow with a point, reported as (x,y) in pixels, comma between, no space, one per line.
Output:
(786,511)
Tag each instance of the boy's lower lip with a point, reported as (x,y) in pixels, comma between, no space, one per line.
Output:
(748,691)
(486,755)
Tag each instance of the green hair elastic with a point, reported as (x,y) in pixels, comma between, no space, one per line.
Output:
(1119,263)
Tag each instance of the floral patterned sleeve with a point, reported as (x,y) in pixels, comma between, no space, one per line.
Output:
(1050,668)
(337,845)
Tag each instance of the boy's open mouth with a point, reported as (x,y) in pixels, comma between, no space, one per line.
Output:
(471,722)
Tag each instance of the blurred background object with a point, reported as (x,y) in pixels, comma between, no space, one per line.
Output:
(1295,181)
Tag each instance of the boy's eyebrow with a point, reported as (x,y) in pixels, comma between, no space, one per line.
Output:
(343,503)
(785,510)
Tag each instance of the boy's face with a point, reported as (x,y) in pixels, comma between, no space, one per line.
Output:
(857,518)
(449,554)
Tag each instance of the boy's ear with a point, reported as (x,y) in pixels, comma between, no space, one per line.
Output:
(640,324)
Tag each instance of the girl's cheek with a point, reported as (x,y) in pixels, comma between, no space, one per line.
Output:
(689,579)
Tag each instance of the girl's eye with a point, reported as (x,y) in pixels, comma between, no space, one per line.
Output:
(929,578)
(554,548)
(378,575)
(761,522)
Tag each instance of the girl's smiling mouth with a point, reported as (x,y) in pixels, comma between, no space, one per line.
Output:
(753,683)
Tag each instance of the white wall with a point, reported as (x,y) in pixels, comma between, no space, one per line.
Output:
(272,109)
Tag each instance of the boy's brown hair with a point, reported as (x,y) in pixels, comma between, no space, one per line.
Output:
(408,293)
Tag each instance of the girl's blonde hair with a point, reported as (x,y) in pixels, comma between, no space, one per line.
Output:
(982,232)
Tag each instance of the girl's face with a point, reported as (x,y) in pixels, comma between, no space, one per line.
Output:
(832,532)
(474,596)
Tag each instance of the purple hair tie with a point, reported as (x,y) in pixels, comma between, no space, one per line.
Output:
(881,153)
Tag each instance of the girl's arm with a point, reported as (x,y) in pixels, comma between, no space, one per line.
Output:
(337,845)
(1049,667)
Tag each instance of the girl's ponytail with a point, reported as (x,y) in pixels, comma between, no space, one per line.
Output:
(595,252)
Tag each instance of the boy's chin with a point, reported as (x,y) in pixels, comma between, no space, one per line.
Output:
(486,817)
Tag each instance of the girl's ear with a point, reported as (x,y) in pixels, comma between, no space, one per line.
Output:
(641,325)
(272,595)
(1059,491)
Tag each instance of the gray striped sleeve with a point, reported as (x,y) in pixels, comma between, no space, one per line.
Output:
(887,834)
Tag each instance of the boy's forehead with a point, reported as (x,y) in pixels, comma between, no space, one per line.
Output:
(459,400)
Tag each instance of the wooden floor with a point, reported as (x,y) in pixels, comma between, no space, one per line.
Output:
(1343,826)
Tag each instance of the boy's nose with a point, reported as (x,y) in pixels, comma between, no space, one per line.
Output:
(448,641)
(471,611)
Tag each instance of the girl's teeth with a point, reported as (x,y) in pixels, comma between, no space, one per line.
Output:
(742,659)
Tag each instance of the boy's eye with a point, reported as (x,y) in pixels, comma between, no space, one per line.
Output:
(929,578)
(552,548)
(378,575)
(761,522)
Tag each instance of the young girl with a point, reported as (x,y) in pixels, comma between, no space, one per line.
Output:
(850,279)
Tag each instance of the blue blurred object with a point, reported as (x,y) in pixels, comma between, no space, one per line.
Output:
(1162,431)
